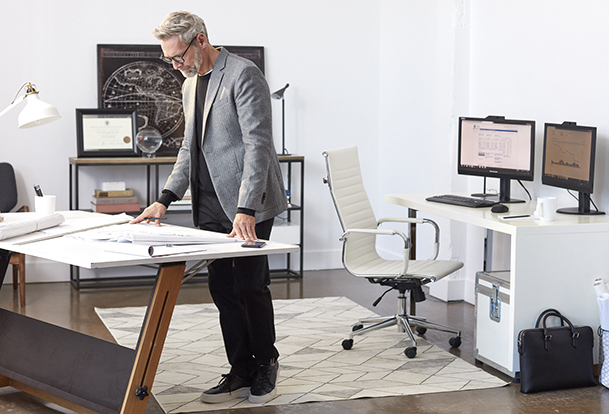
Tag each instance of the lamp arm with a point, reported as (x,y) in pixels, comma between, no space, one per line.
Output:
(29,91)
(16,102)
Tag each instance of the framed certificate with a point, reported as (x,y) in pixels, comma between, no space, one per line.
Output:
(106,132)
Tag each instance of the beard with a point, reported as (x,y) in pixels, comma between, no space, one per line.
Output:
(191,71)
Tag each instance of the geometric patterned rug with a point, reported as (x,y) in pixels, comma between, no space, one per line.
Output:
(314,366)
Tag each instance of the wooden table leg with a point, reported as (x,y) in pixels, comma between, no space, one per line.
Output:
(152,337)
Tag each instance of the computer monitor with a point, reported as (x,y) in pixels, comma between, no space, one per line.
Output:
(497,147)
(568,162)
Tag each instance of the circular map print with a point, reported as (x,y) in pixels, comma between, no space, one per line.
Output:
(154,90)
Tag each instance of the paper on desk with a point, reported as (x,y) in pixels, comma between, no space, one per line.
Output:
(153,235)
(153,241)
(10,229)
(519,217)
(77,225)
(152,251)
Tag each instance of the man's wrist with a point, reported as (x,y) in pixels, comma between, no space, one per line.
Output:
(167,197)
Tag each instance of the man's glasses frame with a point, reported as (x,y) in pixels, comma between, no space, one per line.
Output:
(177,59)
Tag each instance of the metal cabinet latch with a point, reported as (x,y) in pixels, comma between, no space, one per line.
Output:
(495,308)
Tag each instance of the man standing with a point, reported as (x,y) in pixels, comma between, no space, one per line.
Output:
(229,160)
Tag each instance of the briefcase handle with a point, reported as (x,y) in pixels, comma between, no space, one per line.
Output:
(547,338)
(549,311)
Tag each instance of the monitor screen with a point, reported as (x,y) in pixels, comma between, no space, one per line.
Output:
(568,157)
(497,147)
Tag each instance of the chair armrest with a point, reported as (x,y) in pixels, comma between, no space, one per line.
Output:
(378,232)
(414,220)
(24,209)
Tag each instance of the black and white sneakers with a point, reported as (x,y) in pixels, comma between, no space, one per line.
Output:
(264,386)
(260,389)
(229,388)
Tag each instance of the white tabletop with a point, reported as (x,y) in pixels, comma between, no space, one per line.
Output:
(91,255)
(483,217)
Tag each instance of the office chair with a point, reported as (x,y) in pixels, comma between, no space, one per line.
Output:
(360,257)
(8,200)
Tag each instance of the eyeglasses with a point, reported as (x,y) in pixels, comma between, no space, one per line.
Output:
(177,59)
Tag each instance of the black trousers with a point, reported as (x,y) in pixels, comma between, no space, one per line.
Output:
(239,288)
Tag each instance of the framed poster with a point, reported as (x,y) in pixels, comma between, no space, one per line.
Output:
(133,76)
(253,53)
(106,132)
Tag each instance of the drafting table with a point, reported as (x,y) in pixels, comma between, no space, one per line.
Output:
(79,372)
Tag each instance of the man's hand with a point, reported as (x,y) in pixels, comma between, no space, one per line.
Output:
(154,210)
(244,227)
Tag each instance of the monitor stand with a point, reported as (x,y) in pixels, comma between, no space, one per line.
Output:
(484,194)
(504,192)
(583,209)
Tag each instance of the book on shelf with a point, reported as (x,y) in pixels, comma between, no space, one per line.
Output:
(114,186)
(125,193)
(116,208)
(113,200)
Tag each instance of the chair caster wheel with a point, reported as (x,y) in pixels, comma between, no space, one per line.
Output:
(421,330)
(347,344)
(357,327)
(411,351)
(455,341)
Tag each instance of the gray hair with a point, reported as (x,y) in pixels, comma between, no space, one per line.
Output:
(186,25)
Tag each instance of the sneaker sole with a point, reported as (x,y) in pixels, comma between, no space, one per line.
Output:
(261,399)
(220,398)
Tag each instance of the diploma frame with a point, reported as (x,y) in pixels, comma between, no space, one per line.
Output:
(113,146)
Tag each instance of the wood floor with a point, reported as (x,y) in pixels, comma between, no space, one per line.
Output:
(59,304)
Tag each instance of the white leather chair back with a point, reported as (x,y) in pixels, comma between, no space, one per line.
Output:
(352,204)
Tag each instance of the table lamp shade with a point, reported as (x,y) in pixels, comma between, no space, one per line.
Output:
(37,112)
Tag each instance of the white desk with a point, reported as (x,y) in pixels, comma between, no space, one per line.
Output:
(82,373)
(552,265)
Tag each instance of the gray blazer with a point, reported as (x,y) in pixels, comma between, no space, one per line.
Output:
(237,142)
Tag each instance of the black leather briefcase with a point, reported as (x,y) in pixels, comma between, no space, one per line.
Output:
(553,358)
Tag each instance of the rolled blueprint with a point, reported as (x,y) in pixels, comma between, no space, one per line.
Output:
(10,229)
(600,287)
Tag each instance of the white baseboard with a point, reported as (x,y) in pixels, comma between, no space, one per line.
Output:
(447,289)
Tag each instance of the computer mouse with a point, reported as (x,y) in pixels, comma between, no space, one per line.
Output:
(499,208)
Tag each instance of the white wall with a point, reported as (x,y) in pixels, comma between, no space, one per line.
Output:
(424,88)
(545,61)
(327,51)
(389,76)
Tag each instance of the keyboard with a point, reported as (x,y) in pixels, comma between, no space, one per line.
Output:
(462,201)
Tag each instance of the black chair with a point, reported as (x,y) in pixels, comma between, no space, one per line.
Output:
(8,201)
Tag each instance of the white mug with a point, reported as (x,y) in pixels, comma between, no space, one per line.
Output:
(546,208)
(45,205)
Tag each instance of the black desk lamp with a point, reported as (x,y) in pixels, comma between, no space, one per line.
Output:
(279,95)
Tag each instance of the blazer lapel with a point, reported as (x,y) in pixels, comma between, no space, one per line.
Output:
(214,84)
(190,93)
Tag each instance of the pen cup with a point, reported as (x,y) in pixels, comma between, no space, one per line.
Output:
(45,205)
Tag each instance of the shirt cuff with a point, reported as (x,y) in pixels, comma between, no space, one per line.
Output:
(167,197)
(247,211)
